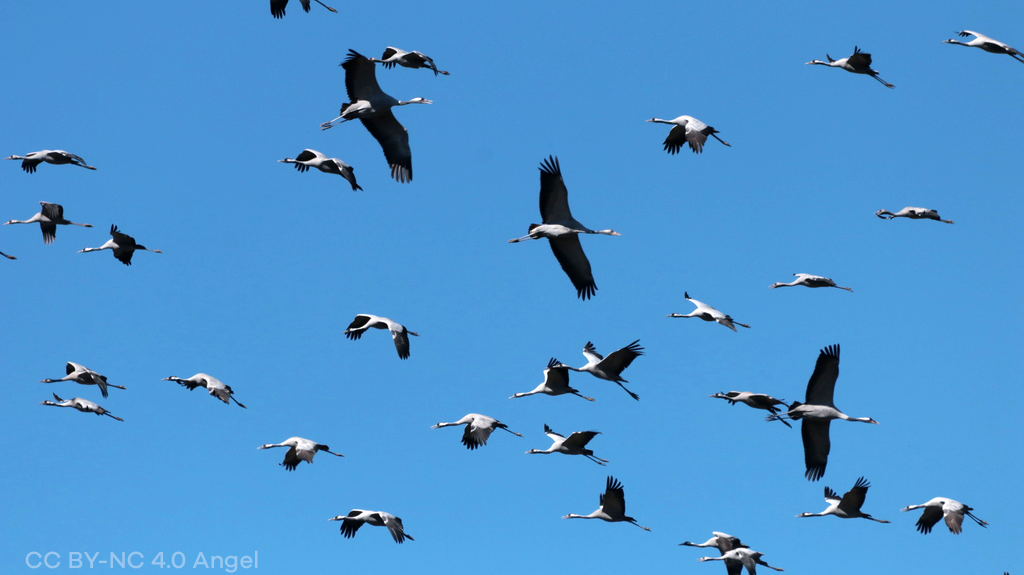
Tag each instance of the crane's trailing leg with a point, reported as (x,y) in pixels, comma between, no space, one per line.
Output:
(326,6)
(331,124)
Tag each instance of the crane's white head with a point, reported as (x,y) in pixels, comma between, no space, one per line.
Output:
(416,101)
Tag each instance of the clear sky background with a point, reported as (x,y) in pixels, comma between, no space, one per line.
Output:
(185,109)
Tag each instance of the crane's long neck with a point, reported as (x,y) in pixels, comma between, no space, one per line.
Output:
(809,514)
(841,415)
(32,220)
(593,515)
(544,451)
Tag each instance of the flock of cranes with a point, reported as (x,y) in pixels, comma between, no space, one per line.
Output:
(373,108)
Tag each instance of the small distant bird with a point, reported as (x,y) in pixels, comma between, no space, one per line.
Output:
(372,106)
(277,7)
(80,374)
(721,541)
(912,213)
(49,218)
(818,411)
(354,520)
(478,429)
(299,449)
(737,559)
(708,313)
(399,333)
(575,444)
(613,506)
(562,230)
(32,159)
(987,44)
(414,59)
(556,382)
(610,368)
(849,506)
(858,63)
(755,400)
(688,130)
(124,246)
(942,507)
(83,405)
(810,281)
(314,159)
(212,384)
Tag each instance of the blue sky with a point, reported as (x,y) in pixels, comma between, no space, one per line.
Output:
(185,111)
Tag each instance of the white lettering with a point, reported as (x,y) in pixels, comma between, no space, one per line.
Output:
(201,559)
(133,554)
(46,560)
(74,559)
(38,563)
(91,559)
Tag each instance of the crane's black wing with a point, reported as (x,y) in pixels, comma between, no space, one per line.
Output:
(569,253)
(394,140)
(816,447)
(821,386)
